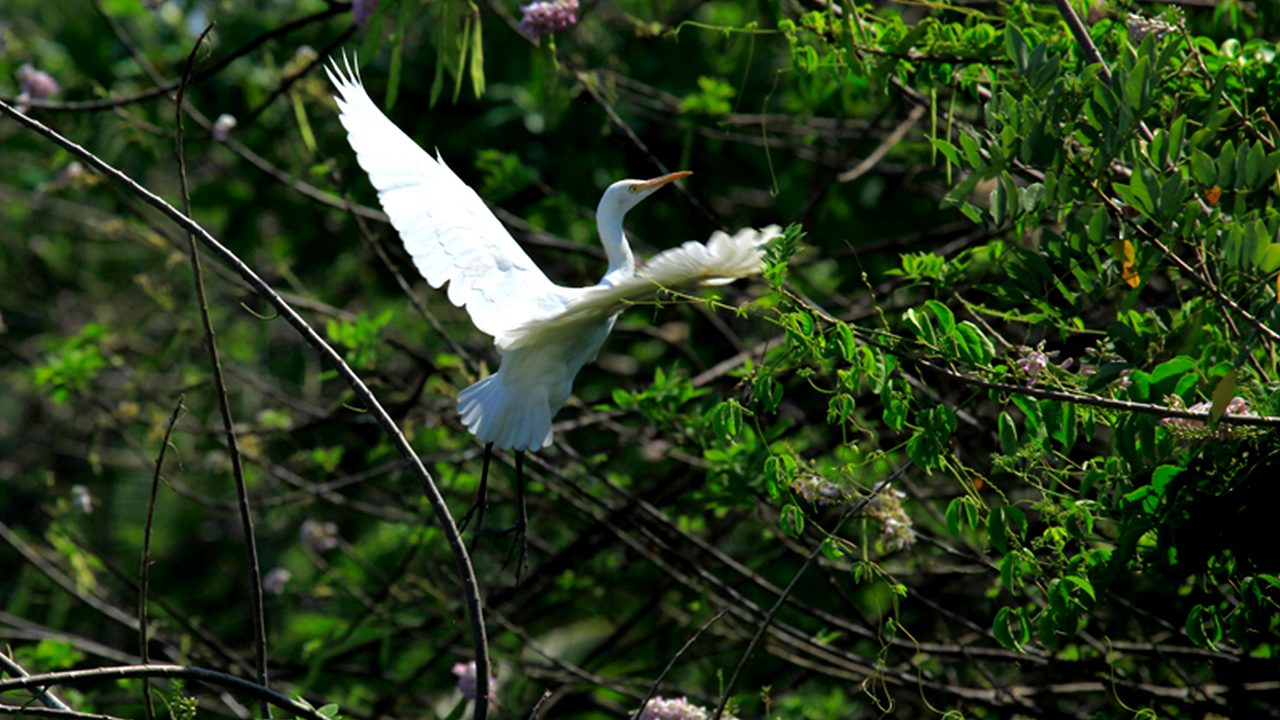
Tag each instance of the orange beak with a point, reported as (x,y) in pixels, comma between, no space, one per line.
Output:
(660,181)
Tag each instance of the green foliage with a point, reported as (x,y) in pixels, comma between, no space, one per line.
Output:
(978,338)
(360,338)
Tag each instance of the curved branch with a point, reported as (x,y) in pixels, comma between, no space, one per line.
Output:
(471,590)
(183,672)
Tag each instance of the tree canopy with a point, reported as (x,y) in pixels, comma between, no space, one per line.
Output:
(993,435)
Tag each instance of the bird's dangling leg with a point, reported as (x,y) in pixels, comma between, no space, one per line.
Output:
(482,496)
(522,525)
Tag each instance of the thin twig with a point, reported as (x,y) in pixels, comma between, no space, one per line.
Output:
(24,711)
(470,590)
(144,572)
(208,72)
(257,611)
(895,137)
(1091,54)
(782,597)
(51,701)
(675,658)
(184,672)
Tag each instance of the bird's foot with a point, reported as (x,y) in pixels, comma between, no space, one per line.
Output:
(521,540)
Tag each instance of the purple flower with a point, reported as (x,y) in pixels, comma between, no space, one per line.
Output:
(36,84)
(547,16)
(1031,364)
(362,10)
(1193,429)
(466,673)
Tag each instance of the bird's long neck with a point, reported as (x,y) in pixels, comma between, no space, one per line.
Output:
(616,247)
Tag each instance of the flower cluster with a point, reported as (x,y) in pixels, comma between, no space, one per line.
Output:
(466,673)
(547,16)
(820,491)
(660,708)
(1031,364)
(895,524)
(1191,429)
(1140,27)
(35,84)
(886,507)
(319,536)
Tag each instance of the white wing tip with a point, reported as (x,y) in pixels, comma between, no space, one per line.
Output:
(345,76)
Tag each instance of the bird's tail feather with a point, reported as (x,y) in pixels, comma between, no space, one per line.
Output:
(509,420)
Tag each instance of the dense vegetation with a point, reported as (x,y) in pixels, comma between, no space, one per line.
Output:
(993,435)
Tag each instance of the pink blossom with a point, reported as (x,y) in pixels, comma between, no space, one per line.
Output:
(36,84)
(547,16)
(1031,364)
(1194,429)
(660,708)
(467,680)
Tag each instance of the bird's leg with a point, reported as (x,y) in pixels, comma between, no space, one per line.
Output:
(522,525)
(482,496)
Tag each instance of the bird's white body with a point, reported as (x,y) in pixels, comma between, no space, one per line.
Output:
(544,332)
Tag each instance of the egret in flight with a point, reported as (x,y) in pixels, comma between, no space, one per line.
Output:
(543,332)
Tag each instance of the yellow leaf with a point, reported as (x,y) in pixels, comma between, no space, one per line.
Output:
(1128,270)
(1212,195)
(1223,392)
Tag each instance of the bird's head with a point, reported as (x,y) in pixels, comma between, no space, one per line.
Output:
(626,194)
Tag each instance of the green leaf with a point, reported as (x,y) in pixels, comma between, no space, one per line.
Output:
(1226,164)
(1176,135)
(1098,226)
(1083,584)
(477,54)
(975,347)
(1013,638)
(1223,392)
(1203,626)
(946,319)
(1172,368)
(1269,260)
(952,515)
(949,150)
(996,530)
(1015,46)
(1255,172)
(1138,194)
(1008,434)
(846,342)
(1203,169)
(971,153)
(1015,521)
(792,521)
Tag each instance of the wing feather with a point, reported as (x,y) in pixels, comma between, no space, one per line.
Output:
(451,234)
(723,259)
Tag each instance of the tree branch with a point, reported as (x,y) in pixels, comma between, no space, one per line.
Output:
(471,590)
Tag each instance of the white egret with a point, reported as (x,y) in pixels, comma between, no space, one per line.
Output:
(543,332)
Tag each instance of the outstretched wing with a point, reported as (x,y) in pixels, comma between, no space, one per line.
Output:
(447,229)
(723,259)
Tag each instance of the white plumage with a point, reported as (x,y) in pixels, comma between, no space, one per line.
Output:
(544,333)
